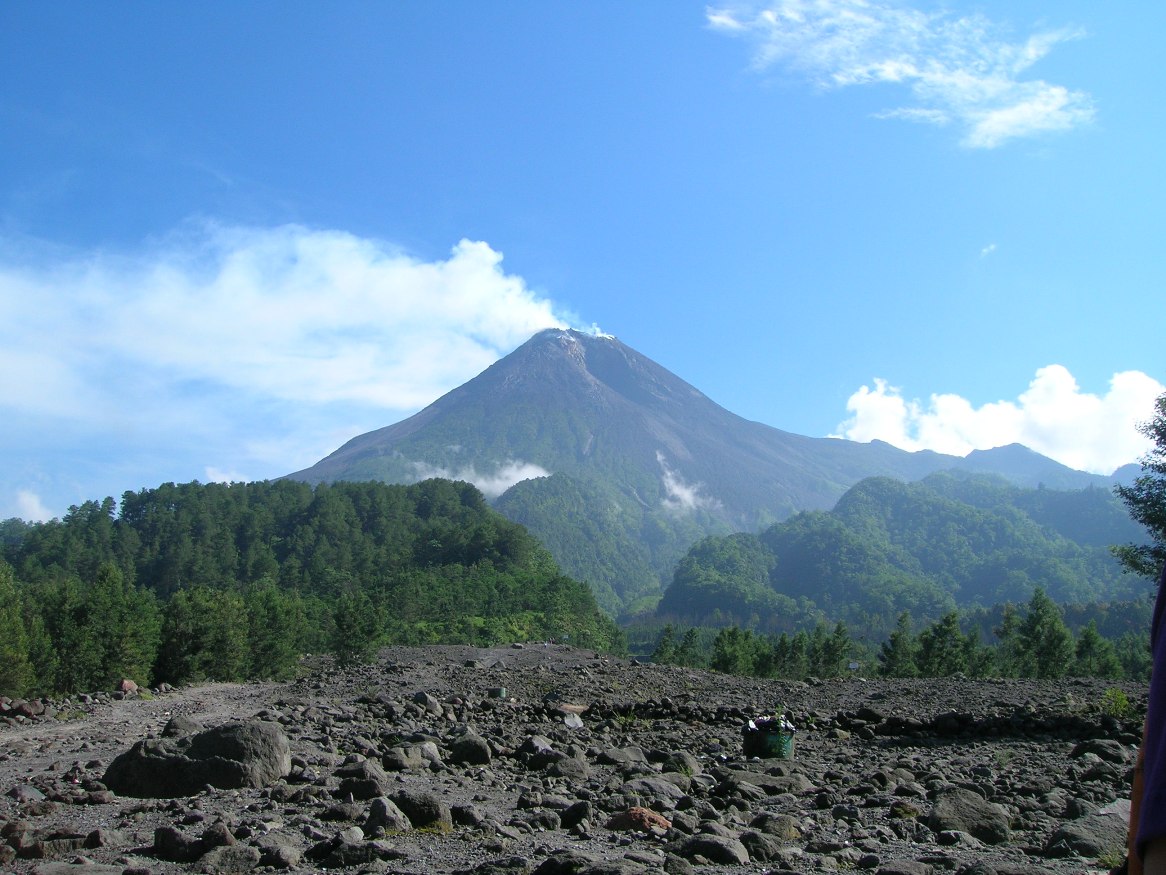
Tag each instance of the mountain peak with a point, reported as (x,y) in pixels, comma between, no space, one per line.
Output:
(644,452)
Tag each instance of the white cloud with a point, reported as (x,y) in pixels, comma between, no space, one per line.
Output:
(236,353)
(961,69)
(491,485)
(30,507)
(681,496)
(217,475)
(284,313)
(1053,416)
(987,250)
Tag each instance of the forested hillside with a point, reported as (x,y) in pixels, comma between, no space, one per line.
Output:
(627,465)
(599,537)
(925,548)
(225,581)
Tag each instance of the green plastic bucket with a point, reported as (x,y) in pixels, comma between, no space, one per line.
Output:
(769,743)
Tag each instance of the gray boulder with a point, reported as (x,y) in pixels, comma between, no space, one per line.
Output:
(1095,835)
(470,749)
(248,754)
(230,860)
(654,788)
(964,811)
(363,779)
(279,851)
(384,816)
(424,810)
(404,758)
(714,848)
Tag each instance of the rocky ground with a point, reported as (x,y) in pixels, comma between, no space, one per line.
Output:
(512,760)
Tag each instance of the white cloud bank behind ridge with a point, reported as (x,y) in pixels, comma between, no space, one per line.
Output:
(1096,433)
(254,351)
(958,70)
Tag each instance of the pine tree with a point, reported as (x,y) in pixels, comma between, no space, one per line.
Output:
(828,651)
(942,648)
(1095,656)
(357,627)
(689,651)
(665,651)
(897,654)
(1009,658)
(17,675)
(1146,500)
(1046,644)
(275,622)
(735,651)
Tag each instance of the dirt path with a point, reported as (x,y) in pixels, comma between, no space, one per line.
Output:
(103,729)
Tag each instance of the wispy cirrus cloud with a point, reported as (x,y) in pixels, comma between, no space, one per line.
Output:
(964,71)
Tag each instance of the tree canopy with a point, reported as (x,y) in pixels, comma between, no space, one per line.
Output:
(887,547)
(1146,500)
(230,581)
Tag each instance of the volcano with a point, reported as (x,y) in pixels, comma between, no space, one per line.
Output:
(619,465)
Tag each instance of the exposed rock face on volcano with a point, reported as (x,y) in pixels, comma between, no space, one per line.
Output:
(549,760)
(601,451)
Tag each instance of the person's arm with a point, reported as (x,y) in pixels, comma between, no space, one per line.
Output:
(1133,861)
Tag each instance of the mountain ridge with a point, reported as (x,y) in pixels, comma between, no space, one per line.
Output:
(675,463)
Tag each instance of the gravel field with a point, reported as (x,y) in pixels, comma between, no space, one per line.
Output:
(558,760)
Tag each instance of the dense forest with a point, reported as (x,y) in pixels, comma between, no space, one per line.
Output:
(1030,640)
(598,536)
(215,581)
(927,548)
(231,581)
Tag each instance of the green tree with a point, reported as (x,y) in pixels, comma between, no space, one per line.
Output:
(735,651)
(126,623)
(898,653)
(357,627)
(943,648)
(42,653)
(828,652)
(1095,656)
(1133,652)
(204,636)
(787,657)
(1008,655)
(665,651)
(276,625)
(690,652)
(70,626)
(1045,642)
(979,659)
(1146,500)
(17,675)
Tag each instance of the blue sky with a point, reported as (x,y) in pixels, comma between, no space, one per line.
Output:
(233,236)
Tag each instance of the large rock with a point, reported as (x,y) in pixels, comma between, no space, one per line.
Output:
(654,787)
(470,749)
(362,780)
(714,848)
(964,811)
(384,816)
(424,810)
(248,754)
(1095,835)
